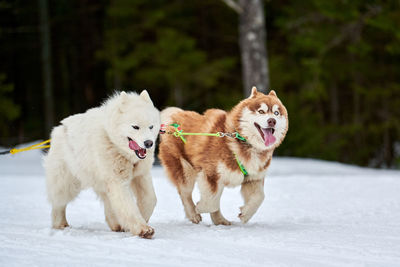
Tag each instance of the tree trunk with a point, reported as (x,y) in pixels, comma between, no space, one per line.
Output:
(46,65)
(253,47)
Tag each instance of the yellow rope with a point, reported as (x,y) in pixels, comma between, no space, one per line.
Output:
(35,146)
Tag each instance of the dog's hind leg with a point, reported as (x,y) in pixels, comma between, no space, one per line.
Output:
(185,190)
(183,176)
(179,171)
(142,187)
(62,187)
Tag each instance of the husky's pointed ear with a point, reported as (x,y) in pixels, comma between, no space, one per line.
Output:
(272,93)
(254,92)
(145,96)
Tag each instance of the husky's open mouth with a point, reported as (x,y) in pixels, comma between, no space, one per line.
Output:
(140,152)
(267,134)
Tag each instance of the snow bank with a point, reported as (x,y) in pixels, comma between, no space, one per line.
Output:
(315,213)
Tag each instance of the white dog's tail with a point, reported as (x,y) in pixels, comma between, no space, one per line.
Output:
(166,114)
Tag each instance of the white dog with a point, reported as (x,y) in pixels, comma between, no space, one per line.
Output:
(111,149)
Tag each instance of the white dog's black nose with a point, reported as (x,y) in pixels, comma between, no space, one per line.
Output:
(148,143)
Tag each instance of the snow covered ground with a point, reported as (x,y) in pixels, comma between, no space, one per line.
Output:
(315,214)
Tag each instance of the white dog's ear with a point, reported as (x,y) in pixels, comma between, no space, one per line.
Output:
(254,92)
(145,96)
(272,93)
(123,96)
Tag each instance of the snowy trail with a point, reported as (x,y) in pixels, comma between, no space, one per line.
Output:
(315,213)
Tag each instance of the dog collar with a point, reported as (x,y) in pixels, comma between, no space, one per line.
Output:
(241,167)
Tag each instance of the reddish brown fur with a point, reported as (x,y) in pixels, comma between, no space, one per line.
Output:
(200,151)
(203,152)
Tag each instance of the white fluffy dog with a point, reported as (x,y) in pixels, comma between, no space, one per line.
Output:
(111,149)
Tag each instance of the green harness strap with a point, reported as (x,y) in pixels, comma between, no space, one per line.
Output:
(241,167)
(179,133)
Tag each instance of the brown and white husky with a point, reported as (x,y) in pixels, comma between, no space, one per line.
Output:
(218,162)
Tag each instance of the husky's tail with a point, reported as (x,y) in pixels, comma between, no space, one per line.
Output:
(166,114)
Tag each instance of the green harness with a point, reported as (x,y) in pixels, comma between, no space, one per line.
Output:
(241,167)
(179,133)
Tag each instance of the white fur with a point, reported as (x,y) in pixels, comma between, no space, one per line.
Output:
(274,108)
(209,201)
(92,150)
(252,164)
(253,195)
(263,107)
(167,113)
(253,136)
(229,178)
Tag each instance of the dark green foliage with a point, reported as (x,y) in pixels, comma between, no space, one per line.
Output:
(158,50)
(335,64)
(9,111)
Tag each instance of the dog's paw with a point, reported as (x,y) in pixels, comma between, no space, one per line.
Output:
(117,228)
(196,218)
(243,216)
(218,219)
(147,232)
(61,226)
(222,221)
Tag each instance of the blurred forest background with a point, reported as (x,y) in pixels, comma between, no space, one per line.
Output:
(334,64)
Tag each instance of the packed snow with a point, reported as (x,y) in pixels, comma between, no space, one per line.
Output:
(315,213)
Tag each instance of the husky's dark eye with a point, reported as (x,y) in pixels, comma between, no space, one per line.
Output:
(276,113)
(261,111)
(151,127)
(135,127)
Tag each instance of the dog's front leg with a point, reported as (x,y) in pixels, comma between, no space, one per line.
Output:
(146,199)
(253,195)
(111,218)
(123,204)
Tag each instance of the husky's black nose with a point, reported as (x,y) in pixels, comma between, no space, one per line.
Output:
(271,122)
(148,143)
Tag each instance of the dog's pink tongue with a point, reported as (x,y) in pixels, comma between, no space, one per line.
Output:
(133,145)
(269,138)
